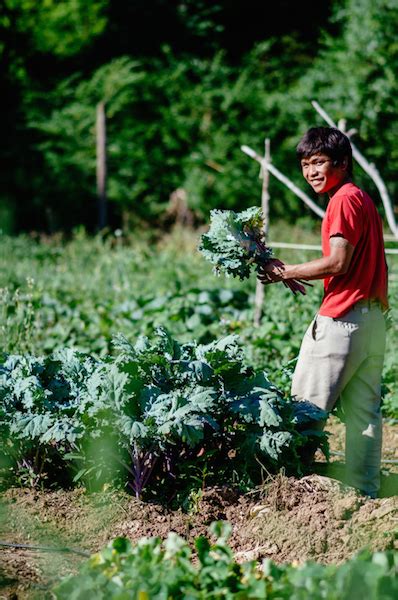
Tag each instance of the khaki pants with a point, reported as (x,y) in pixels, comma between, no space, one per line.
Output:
(343,358)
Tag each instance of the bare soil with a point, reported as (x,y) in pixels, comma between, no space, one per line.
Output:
(314,518)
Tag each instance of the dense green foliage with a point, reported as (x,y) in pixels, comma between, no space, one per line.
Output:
(82,293)
(181,95)
(156,569)
(165,413)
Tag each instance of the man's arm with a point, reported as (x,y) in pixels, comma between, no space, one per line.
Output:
(336,263)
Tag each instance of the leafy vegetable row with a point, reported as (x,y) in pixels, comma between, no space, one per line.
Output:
(153,569)
(157,416)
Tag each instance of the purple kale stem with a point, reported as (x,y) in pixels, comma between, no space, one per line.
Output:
(294,285)
(147,472)
(170,463)
(143,465)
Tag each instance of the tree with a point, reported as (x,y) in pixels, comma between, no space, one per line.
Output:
(37,39)
(173,122)
(354,78)
(59,28)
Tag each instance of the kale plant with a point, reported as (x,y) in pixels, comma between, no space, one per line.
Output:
(157,414)
(235,245)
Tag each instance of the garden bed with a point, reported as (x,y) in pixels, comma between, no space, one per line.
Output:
(287,520)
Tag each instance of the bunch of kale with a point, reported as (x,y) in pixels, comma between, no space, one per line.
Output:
(235,244)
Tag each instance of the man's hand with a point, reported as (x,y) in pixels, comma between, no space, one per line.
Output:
(271,272)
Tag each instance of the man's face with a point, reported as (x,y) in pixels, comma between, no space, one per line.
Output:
(324,177)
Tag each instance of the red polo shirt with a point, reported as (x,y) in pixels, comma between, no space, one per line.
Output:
(352,214)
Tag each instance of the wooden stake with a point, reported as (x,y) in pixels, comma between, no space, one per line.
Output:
(289,184)
(101,165)
(264,191)
(264,174)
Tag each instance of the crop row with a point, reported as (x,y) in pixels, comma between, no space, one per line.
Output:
(156,416)
(165,570)
(83,293)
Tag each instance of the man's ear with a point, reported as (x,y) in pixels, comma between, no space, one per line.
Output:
(343,163)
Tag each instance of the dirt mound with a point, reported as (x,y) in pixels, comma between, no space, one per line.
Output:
(314,518)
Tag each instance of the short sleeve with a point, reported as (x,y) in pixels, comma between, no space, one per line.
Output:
(346,218)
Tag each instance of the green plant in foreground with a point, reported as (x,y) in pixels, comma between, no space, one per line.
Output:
(165,570)
(159,411)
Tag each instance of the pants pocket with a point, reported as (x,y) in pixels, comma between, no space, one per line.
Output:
(320,327)
(314,328)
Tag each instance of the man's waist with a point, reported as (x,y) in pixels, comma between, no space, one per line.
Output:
(367,303)
(337,302)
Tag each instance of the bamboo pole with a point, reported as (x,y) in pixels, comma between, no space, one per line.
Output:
(274,171)
(317,247)
(101,165)
(264,174)
(369,168)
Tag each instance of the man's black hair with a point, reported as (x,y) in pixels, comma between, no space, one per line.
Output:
(326,140)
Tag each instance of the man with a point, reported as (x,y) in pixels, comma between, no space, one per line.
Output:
(342,352)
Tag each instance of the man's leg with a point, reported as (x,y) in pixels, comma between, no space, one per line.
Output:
(321,372)
(345,357)
(322,369)
(361,405)
(361,400)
